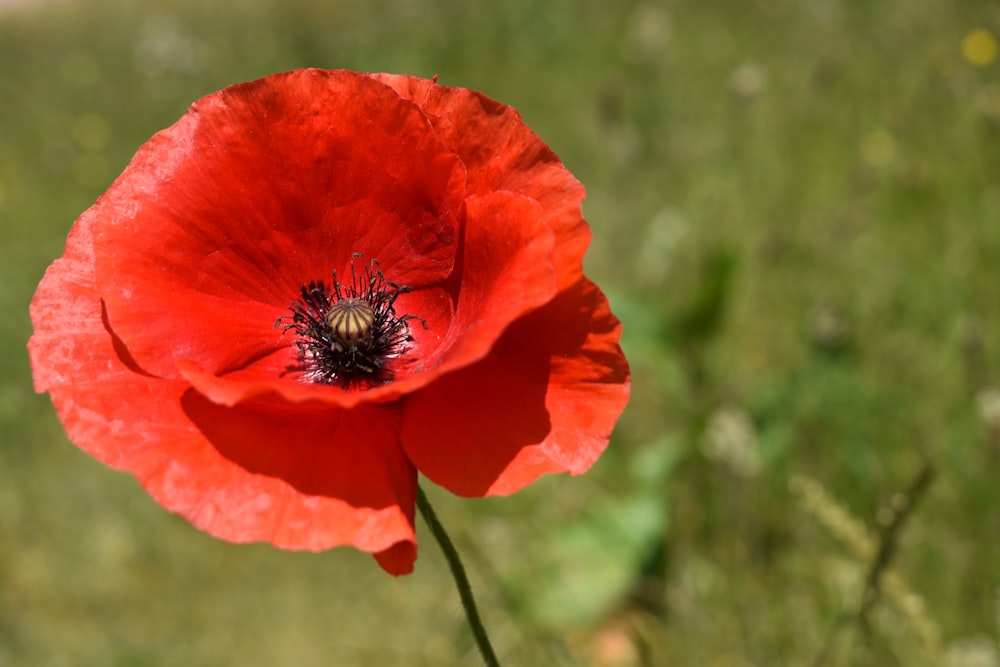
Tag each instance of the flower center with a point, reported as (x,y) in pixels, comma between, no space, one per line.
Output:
(349,334)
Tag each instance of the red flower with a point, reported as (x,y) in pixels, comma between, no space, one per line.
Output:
(474,350)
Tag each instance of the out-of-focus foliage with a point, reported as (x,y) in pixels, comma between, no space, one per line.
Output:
(796,212)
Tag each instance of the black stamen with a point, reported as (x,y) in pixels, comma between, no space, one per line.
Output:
(350,333)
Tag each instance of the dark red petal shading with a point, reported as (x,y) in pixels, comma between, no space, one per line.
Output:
(500,152)
(545,400)
(301,484)
(321,453)
(209,233)
(504,271)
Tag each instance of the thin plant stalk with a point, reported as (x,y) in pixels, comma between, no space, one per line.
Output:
(461,581)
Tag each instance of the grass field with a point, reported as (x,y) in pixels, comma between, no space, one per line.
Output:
(796,213)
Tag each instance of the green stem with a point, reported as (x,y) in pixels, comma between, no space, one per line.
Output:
(461,581)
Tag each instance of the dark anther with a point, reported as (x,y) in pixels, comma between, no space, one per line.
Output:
(347,335)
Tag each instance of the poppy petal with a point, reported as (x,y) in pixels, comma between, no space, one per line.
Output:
(501,152)
(315,455)
(219,220)
(505,271)
(296,485)
(544,400)
(70,337)
(330,484)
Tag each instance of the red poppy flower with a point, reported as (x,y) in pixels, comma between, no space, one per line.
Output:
(420,250)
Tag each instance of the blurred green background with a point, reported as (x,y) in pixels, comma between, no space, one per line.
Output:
(797,216)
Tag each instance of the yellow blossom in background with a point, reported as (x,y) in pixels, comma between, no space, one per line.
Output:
(979,47)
